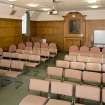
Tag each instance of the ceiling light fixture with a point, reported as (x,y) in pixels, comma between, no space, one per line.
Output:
(11,0)
(46,9)
(32,5)
(91,1)
(94,6)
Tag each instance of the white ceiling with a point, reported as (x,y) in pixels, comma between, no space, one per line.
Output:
(61,5)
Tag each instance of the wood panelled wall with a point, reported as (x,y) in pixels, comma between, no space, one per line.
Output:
(53,31)
(10,31)
(92,25)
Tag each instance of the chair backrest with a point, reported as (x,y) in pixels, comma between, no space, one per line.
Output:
(34,58)
(84,49)
(103,50)
(17,65)
(54,71)
(36,51)
(21,46)
(5,63)
(52,45)
(12,48)
(94,59)
(39,85)
(82,58)
(95,50)
(44,53)
(44,45)
(73,48)
(93,67)
(1,51)
(75,74)
(28,44)
(28,48)
(37,45)
(92,76)
(88,44)
(61,88)
(103,67)
(103,77)
(7,54)
(23,56)
(103,95)
(88,92)
(62,64)
(77,65)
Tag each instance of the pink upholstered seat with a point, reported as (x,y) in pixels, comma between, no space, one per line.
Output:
(57,102)
(77,65)
(103,50)
(37,45)
(84,49)
(88,44)
(103,67)
(93,59)
(53,48)
(103,58)
(34,58)
(44,46)
(23,56)
(62,64)
(33,100)
(36,85)
(103,77)
(92,76)
(12,48)
(88,92)
(54,71)
(61,89)
(28,50)
(70,58)
(82,58)
(1,51)
(93,67)
(75,74)
(18,65)
(21,46)
(28,44)
(7,54)
(95,50)
(12,74)
(73,50)
(103,95)
(36,51)
(5,63)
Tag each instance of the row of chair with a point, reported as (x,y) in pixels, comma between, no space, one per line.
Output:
(31,60)
(93,67)
(52,48)
(85,49)
(81,58)
(11,68)
(56,92)
(86,77)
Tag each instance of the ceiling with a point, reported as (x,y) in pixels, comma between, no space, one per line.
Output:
(61,5)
